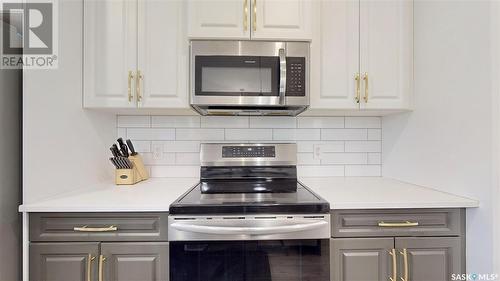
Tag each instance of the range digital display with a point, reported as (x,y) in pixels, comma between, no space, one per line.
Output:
(248,151)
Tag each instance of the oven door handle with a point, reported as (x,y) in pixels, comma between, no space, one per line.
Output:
(248,230)
(282,88)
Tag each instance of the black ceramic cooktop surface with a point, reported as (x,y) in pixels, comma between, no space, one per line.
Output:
(303,201)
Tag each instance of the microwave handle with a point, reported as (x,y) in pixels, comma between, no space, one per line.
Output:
(282,56)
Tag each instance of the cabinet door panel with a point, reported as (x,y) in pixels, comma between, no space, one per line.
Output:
(136,261)
(163,54)
(282,20)
(386,50)
(62,261)
(431,258)
(110,51)
(219,19)
(335,55)
(360,259)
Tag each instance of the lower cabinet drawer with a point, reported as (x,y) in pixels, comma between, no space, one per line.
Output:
(98,227)
(407,222)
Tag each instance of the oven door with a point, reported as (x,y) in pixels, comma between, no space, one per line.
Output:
(262,260)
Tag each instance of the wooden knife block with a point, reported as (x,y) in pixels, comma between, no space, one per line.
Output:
(132,176)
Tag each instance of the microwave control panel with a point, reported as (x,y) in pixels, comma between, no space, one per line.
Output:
(295,76)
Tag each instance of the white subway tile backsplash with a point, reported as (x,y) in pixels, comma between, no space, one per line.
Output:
(248,134)
(164,159)
(344,158)
(327,146)
(273,122)
(374,158)
(363,171)
(187,159)
(134,121)
(224,122)
(363,146)
(307,159)
(320,171)
(344,134)
(320,122)
(200,134)
(182,146)
(142,146)
(175,121)
(150,134)
(374,134)
(296,134)
(363,122)
(176,171)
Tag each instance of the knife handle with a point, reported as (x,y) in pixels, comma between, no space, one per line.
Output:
(131,147)
(124,150)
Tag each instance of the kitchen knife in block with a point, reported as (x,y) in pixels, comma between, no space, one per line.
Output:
(126,176)
(139,166)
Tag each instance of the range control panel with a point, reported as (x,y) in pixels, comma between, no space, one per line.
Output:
(248,151)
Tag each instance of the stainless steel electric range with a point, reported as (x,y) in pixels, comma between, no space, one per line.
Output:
(249,219)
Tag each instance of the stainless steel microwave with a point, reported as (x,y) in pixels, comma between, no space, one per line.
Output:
(249,77)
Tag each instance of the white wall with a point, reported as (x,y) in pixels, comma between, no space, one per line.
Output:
(447,141)
(65,147)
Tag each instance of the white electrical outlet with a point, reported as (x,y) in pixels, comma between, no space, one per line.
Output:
(317,152)
(157,151)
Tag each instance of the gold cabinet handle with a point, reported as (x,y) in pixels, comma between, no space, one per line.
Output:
(130,77)
(85,228)
(245,15)
(254,15)
(404,253)
(357,78)
(102,259)
(90,259)
(394,265)
(398,224)
(365,78)
(138,85)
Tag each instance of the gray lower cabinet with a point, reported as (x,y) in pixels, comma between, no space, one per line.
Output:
(402,245)
(135,261)
(99,247)
(360,259)
(429,258)
(63,261)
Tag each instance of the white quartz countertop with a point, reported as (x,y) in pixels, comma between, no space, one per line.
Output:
(155,195)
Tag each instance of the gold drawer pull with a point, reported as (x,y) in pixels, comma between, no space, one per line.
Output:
(404,253)
(85,228)
(90,259)
(102,259)
(394,265)
(397,224)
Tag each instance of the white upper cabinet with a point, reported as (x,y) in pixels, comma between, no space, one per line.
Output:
(386,53)
(250,19)
(335,55)
(282,20)
(362,55)
(162,55)
(110,38)
(222,19)
(135,54)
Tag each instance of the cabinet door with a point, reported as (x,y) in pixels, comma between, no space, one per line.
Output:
(430,258)
(282,20)
(63,261)
(135,261)
(386,29)
(360,259)
(335,55)
(110,52)
(162,54)
(228,19)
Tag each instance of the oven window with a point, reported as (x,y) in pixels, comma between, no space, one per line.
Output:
(236,76)
(277,260)
(236,80)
